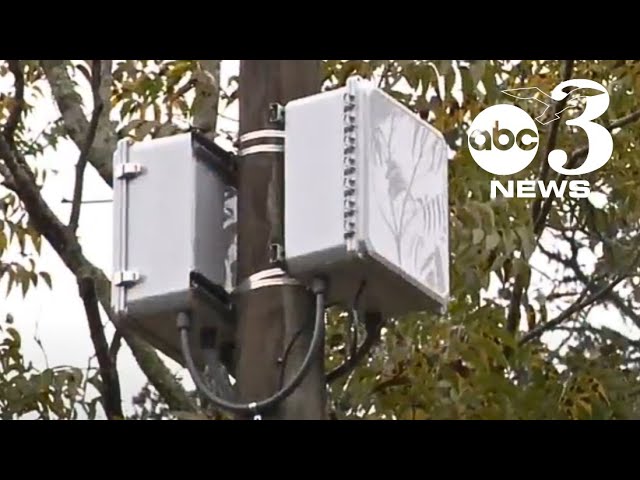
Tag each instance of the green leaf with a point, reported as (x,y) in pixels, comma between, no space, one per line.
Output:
(586,406)
(509,241)
(497,263)
(493,240)
(46,379)
(145,129)
(24,283)
(132,125)
(468,85)
(167,129)
(20,232)
(46,277)
(478,235)
(12,279)
(15,336)
(526,241)
(522,268)
(487,214)
(489,82)
(476,70)
(412,75)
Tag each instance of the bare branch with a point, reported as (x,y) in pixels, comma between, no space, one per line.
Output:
(16,111)
(7,178)
(553,137)
(513,316)
(396,381)
(383,82)
(111,397)
(373,325)
(67,98)
(614,298)
(183,90)
(576,307)
(624,121)
(601,294)
(205,104)
(114,348)
(575,156)
(75,122)
(86,146)
(540,214)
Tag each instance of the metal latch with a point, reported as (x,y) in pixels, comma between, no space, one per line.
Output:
(276,113)
(126,278)
(128,170)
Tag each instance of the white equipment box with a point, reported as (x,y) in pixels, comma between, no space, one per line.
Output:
(366,200)
(171,247)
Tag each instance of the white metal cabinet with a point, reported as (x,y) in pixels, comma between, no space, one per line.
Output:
(171,250)
(366,199)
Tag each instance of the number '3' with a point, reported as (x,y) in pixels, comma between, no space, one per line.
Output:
(599,138)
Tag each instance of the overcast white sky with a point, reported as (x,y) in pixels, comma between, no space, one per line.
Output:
(57,316)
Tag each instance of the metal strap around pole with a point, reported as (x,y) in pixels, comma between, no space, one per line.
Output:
(263,147)
(273,277)
(247,137)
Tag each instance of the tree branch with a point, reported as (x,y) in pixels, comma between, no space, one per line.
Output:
(7,178)
(553,137)
(573,159)
(542,213)
(111,397)
(86,146)
(114,348)
(205,104)
(16,111)
(576,307)
(614,298)
(69,102)
(513,315)
(373,325)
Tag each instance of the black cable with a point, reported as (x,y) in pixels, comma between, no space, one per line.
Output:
(355,319)
(285,355)
(183,323)
(353,325)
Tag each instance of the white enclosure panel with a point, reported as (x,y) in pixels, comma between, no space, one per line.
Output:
(407,197)
(170,223)
(169,228)
(313,178)
(366,200)
(160,217)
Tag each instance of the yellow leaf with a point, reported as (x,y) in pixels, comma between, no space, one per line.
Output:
(602,393)
(585,405)
(420,415)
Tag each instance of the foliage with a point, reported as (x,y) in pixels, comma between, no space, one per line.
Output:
(50,394)
(516,274)
(467,364)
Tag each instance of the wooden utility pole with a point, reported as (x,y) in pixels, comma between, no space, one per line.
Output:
(275,323)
